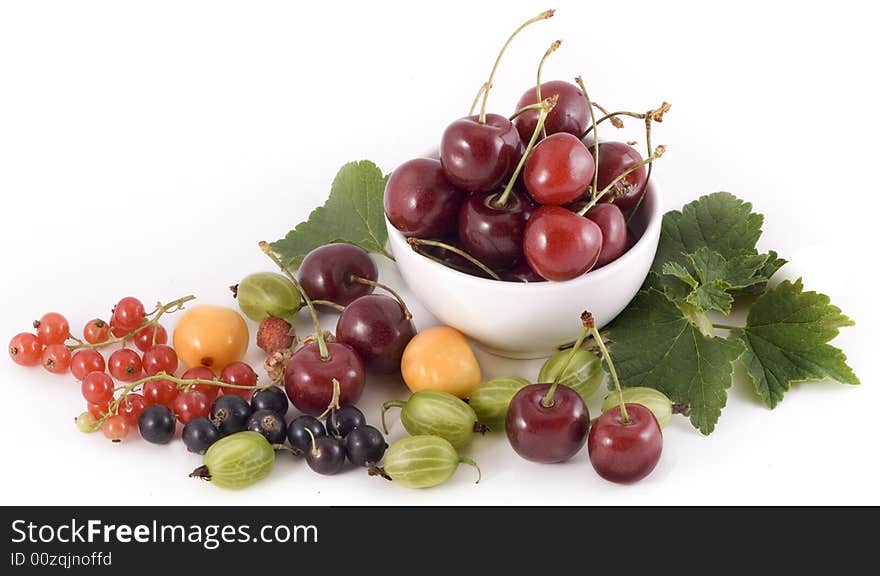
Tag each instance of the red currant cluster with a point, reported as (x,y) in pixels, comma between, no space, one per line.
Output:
(147,377)
(528,198)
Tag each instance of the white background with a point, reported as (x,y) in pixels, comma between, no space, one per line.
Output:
(146,147)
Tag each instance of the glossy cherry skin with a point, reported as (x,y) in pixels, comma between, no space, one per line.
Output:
(377,328)
(326,271)
(559,170)
(521,272)
(625,453)
(611,221)
(560,245)
(547,435)
(308,380)
(480,157)
(420,201)
(494,234)
(570,115)
(614,159)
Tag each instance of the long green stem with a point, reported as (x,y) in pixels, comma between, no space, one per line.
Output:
(546,106)
(547,400)
(525,109)
(470,462)
(657,154)
(589,323)
(488,85)
(389,289)
(553,47)
(387,406)
(151,319)
(416,242)
(580,82)
(319,333)
(477,99)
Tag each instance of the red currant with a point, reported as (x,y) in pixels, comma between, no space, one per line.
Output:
(239,374)
(131,407)
(97,388)
(202,373)
(96,331)
(52,328)
(56,358)
(190,405)
(160,392)
(115,428)
(86,361)
(125,365)
(160,358)
(128,314)
(25,349)
(145,340)
(99,410)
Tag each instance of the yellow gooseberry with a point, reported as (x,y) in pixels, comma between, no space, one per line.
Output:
(211,336)
(440,358)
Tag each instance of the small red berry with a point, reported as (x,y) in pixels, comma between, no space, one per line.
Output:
(275,335)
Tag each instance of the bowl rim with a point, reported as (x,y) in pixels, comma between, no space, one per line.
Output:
(655,220)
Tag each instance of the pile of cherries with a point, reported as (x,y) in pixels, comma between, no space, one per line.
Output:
(523,198)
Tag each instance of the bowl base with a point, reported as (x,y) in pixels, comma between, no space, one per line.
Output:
(514,355)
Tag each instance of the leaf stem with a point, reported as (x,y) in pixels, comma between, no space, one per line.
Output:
(727,327)
(319,333)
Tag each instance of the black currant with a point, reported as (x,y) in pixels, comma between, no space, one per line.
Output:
(269,424)
(156,424)
(365,445)
(297,436)
(326,455)
(273,398)
(199,434)
(341,422)
(230,414)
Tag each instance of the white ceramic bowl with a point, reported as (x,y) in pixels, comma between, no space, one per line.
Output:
(520,320)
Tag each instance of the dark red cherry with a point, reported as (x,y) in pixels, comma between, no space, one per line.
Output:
(480,157)
(570,114)
(625,452)
(614,159)
(494,234)
(611,221)
(559,244)
(326,272)
(547,434)
(420,201)
(308,380)
(559,170)
(521,272)
(377,328)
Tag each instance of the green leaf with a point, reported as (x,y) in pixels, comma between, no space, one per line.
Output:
(653,344)
(677,270)
(712,296)
(738,272)
(353,213)
(720,222)
(786,338)
(771,267)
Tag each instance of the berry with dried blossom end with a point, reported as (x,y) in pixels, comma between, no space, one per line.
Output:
(275,334)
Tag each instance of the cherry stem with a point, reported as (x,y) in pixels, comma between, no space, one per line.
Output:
(553,47)
(525,109)
(580,82)
(312,436)
(615,121)
(329,304)
(334,400)
(547,400)
(416,242)
(151,319)
(590,323)
(374,284)
(656,115)
(319,333)
(546,106)
(477,99)
(469,462)
(387,406)
(595,200)
(488,85)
